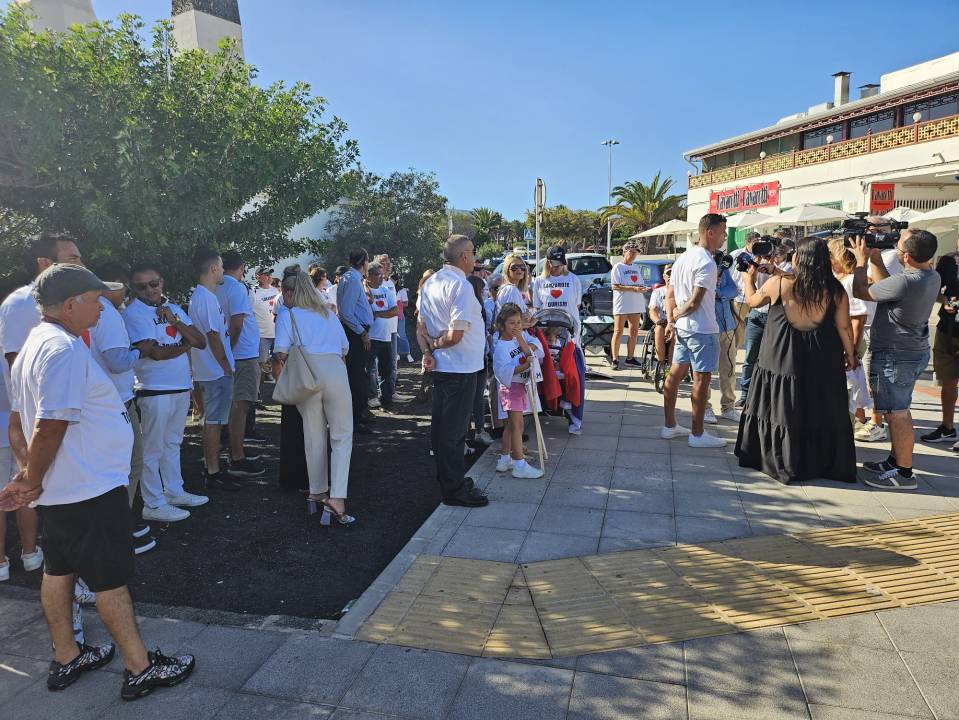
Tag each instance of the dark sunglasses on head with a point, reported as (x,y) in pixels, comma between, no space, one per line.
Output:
(144,285)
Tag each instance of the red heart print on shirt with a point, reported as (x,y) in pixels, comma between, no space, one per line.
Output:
(522,359)
(634,278)
(556,293)
(170,330)
(380,303)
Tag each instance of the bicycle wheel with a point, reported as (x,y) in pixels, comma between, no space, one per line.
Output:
(646,361)
(660,376)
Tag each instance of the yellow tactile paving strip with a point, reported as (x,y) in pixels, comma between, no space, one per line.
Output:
(590,604)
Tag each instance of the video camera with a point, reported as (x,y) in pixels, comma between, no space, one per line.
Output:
(723,260)
(859,226)
(762,249)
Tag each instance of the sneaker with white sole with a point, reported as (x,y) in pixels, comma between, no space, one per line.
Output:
(525,471)
(82,595)
(705,441)
(5,569)
(575,429)
(33,561)
(732,415)
(140,529)
(186,499)
(709,417)
(143,544)
(872,433)
(374,402)
(165,513)
(940,434)
(891,480)
(504,464)
(485,438)
(668,433)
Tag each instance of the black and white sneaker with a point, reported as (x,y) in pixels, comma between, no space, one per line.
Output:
(245,467)
(140,529)
(940,434)
(144,544)
(878,468)
(634,362)
(163,672)
(90,658)
(219,481)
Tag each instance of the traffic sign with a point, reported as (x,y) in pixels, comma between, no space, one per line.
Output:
(528,235)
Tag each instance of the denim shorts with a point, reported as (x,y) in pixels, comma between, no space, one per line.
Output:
(699,350)
(217,398)
(893,375)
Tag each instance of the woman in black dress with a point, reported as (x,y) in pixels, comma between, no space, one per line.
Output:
(796,423)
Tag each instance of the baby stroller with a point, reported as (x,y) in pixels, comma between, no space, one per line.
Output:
(562,391)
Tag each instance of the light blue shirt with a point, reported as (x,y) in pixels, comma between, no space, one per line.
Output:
(351,302)
(726,290)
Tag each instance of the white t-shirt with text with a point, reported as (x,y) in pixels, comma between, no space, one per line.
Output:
(696,268)
(564,292)
(143,324)
(262,301)
(627,302)
(207,316)
(382,298)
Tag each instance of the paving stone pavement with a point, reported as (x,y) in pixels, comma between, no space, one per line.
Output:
(598,496)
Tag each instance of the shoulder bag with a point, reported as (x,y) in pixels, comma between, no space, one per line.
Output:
(297,380)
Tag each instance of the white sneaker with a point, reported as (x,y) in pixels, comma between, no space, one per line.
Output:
(5,569)
(165,513)
(33,561)
(526,471)
(409,359)
(668,433)
(187,500)
(710,417)
(504,464)
(82,595)
(732,414)
(705,441)
(374,402)
(485,438)
(575,429)
(872,433)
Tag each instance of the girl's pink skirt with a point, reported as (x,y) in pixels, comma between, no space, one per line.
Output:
(514,398)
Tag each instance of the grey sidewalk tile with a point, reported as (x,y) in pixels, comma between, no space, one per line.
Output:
(709,502)
(703,482)
(593,428)
(655,479)
(578,457)
(841,515)
(553,546)
(593,442)
(861,630)
(832,712)
(936,677)
(257,707)
(498,689)
(483,543)
(311,669)
(707,466)
(580,475)
(17,673)
(15,614)
(856,677)
(346,714)
(927,628)
(591,416)
(713,704)
(700,529)
(503,514)
(649,432)
(644,527)
(840,493)
(607,697)
(757,662)
(506,487)
(646,501)
(646,453)
(647,419)
(32,640)
(166,633)
(584,497)
(910,500)
(226,657)
(188,701)
(576,521)
(93,696)
(406,681)
(617,544)
(658,663)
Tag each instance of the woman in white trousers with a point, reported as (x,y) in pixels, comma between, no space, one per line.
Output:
(327,413)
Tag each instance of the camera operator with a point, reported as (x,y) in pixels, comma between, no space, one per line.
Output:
(740,306)
(899,343)
(756,317)
(945,349)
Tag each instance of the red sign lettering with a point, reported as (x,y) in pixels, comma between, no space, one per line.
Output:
(749,197)
(882,198)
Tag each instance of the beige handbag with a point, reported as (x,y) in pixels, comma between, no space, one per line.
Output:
(297,380)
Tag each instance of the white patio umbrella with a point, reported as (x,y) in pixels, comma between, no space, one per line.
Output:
(672,227)
(807,215)
(946,217)
(904,214)
(746,219)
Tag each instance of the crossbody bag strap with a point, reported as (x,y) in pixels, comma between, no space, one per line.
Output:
(297,338)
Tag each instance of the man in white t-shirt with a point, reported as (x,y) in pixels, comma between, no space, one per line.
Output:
(691,308)
(386,263)
(262,297)
(162,389)
(72,437)
(213,364)
(244,334)
(629,302)
(453,340)
(383,304)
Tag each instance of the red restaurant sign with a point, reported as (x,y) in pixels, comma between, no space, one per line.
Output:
(750,197)
(882,198)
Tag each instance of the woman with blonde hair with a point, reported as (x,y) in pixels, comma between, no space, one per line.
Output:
(310,324)
(515,287)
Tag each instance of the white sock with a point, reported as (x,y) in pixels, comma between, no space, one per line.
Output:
(521,463)
(504,457)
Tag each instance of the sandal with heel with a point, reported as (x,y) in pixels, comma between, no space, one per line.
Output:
(330,514)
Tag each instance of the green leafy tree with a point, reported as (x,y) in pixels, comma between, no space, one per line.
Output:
(402,215)
(488,251)
(638,206)
(489,225)
(146,154)
(574,229)
(463,223)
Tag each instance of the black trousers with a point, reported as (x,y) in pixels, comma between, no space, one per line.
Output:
(356,365)
(452,407)
(293,475)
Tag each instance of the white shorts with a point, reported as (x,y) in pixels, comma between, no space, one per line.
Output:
(8,466)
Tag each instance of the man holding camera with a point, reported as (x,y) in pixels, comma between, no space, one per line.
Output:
(945,349)
(899,343)
(691,310)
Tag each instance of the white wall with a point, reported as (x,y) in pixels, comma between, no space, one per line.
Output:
(194,29)
(59,15)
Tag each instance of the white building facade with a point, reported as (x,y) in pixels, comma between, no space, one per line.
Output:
(897,145)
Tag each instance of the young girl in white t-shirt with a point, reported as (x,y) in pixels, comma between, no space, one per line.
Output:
(513,352)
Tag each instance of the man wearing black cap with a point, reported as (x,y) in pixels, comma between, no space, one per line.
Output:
(71,435)
(629,301)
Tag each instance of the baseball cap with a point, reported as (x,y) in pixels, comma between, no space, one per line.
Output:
(66,280)
(556,253)
(264,270)
(630,245)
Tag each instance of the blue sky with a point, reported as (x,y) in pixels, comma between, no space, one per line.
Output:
(492,95)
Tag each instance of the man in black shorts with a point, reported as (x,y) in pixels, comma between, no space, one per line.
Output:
(71,436)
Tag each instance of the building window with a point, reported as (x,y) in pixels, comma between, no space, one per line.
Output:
(817,138)
(876,122)
(932,108)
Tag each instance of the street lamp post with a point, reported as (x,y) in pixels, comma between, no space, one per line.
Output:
(609,193)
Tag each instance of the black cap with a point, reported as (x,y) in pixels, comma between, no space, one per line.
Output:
(556,253)
(66,280)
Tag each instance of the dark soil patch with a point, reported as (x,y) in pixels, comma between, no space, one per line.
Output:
(257,551)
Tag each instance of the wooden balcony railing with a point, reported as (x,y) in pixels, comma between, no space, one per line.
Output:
(869,143)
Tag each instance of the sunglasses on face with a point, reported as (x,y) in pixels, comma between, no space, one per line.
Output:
(154,284)
(514,268)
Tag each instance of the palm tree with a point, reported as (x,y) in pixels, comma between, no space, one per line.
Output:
(641,206)
(489,224)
